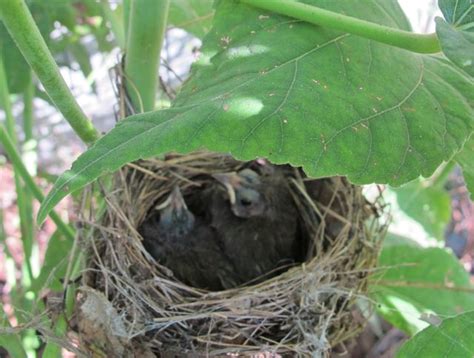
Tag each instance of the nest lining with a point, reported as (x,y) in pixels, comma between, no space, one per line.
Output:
(303,311)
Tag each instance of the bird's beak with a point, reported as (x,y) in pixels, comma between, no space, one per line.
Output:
(175,200)
(231,181)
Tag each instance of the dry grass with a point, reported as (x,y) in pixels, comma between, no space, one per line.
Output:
(131,306)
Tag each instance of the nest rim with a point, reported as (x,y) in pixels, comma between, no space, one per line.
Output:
(333,279)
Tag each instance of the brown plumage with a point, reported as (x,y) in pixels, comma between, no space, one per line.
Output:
(186,245)
(256,219)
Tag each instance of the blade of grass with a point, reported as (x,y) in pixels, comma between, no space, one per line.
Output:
(22,28)
(25,222)
(147,25)
(30,160)
(29,143)
(28,97)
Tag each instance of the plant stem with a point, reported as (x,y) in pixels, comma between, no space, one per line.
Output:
(15,158)
(6,104)
(29,156)
(420,43)
(26,231)
(28,97)
(23,30)
(145,36)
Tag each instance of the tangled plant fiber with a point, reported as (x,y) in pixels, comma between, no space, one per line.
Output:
(129,305)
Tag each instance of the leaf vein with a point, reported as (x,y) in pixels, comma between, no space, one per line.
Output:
(276,110)
(373,116)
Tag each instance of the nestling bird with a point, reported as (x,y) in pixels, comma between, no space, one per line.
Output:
(245,199)
(256,219)
(186,245)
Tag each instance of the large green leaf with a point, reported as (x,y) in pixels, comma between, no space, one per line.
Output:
(194,16)
(456,34)
(267,85)
(429,205)
(466,161)
(453,337)
(418,281)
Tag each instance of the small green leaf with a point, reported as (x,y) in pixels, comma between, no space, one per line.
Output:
(456,34)
(429,205)
(418,281)
(457,12)
(454,337)
(457,45)
(466,160)
(270,86)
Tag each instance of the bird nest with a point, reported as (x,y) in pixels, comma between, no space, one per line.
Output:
(130,305)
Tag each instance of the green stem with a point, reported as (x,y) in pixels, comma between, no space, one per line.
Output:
(29,153)
(23,30)
(15,158)
(115,23)
(28,97)
(21,197)
(145,36)
(420,43)
(6,104)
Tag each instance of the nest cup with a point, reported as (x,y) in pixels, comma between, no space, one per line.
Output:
(129,305)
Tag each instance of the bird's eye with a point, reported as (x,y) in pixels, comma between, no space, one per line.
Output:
(245,202)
